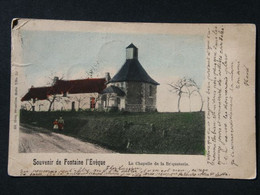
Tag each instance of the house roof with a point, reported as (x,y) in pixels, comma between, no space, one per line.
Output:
(113,89)
(80,86)
(41,93)
(63,86)
(132,70)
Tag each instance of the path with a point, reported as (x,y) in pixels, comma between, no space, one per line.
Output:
(39,140)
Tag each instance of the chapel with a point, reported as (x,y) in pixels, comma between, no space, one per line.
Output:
(131,89)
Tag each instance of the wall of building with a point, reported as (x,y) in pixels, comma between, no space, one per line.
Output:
(149,98)
(140,97)
(108,101)
(41,105)
(114,100)
(81,101)
(134,95)
(111,101)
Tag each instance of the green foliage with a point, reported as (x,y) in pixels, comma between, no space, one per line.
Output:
(153,133)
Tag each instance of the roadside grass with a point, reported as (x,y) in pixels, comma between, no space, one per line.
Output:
(142,133)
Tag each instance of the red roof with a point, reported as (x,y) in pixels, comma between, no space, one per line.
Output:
(40,93)
(63,86)
(80,86)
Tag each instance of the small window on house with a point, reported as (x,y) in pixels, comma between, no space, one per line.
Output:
(150,90)
(118,101)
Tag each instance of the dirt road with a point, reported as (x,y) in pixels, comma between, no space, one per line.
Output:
(39,140)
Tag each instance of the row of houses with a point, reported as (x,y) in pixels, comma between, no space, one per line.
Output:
(131,89)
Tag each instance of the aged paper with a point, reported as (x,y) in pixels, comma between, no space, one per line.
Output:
(132,99)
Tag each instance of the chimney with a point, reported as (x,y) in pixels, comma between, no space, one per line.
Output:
(107,76)
(131,52)
(55,79)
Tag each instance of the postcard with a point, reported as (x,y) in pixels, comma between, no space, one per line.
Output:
(132,99)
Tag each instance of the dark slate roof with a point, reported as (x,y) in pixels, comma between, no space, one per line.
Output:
(131,46)
(90,85)
(132,70)
(113,89)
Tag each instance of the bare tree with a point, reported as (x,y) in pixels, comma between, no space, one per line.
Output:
(179,89)
(194,88)
(29,104)
(93,70)
(53,78)
(188,87)
(51,99)
(80,99)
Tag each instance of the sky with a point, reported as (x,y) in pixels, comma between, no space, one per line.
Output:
(71,55)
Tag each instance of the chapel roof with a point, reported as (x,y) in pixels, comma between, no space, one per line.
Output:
(132,70)
(113,89)
(131,46)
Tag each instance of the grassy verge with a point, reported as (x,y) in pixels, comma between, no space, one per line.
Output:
(153,133)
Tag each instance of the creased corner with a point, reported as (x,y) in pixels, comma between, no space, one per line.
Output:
(17,23)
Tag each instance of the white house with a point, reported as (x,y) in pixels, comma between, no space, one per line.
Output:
(64,95)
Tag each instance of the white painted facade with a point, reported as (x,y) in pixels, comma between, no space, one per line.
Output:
(76,102)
